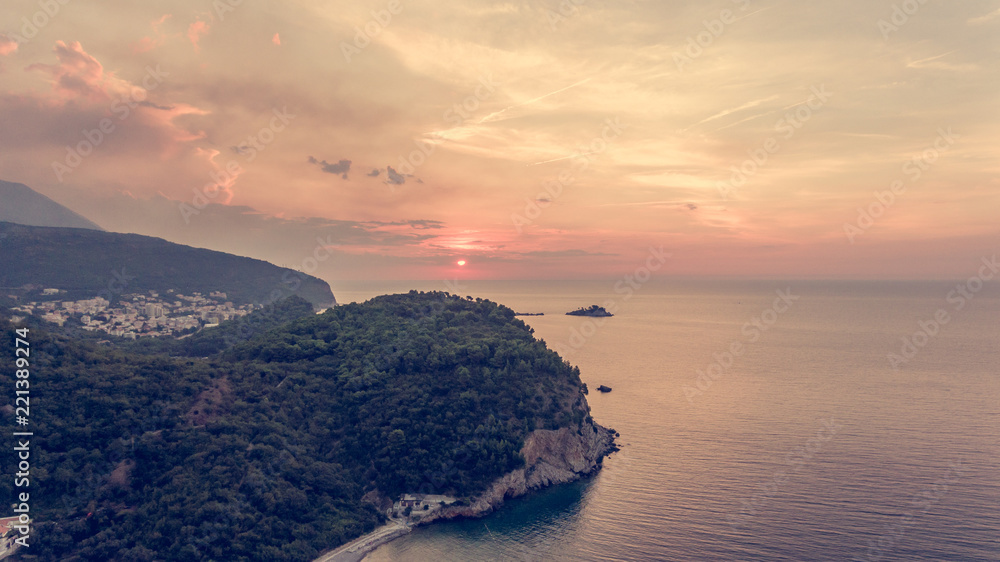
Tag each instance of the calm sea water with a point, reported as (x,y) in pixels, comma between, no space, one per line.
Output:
(807,445)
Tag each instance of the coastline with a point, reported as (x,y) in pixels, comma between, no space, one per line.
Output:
(552,457)
(359,548)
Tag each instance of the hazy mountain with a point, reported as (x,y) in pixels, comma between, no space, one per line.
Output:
(22,205)
(87,263)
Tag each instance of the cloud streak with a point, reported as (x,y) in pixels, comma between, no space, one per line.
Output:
(498,115)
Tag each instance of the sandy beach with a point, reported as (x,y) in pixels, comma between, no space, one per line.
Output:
(356,550)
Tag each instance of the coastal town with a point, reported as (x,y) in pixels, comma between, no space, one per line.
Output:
(137,315)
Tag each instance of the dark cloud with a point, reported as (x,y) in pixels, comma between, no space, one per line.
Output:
(394,177)
(245,230)
(342,167)
(357,249)
(416,224)
(562,254)
(374,173)
(152,105)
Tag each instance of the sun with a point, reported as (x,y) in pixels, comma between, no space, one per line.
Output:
(461,262)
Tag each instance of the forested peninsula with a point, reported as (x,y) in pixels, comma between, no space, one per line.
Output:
(293,431)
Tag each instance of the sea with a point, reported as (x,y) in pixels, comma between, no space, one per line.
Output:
(759,420)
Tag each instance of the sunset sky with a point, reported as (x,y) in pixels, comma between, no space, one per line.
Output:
(530,139)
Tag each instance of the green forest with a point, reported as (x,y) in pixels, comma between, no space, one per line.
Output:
(258,440)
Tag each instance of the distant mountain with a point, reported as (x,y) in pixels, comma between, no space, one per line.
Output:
(22,205)
(88,263)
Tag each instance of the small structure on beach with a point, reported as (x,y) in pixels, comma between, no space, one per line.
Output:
(419,504)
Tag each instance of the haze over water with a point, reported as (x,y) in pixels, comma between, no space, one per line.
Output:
(810,446)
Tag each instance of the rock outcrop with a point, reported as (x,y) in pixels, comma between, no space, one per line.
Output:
(551,457)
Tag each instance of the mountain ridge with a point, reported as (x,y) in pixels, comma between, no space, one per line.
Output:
(86,263)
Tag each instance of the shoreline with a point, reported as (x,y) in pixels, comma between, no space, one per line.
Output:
(359,548)
(552,457)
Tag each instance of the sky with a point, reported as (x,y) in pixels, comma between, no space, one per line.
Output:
(531,140)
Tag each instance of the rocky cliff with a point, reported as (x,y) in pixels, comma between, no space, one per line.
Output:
(551,457)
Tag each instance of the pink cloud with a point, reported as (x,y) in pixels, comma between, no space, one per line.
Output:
(8,45)
(162,118)
(224,178)
(147,44)
(163,19)
(195,31)
(276,40)
(141,134)
(80,75)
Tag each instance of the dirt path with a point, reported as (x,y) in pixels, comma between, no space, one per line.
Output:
(357,549)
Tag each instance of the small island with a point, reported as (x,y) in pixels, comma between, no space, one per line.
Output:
(529,314)
(592,310)
(603,388)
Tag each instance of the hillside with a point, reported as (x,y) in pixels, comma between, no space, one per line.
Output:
(22,205)
(88,262)
(279,448)
(214,340)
